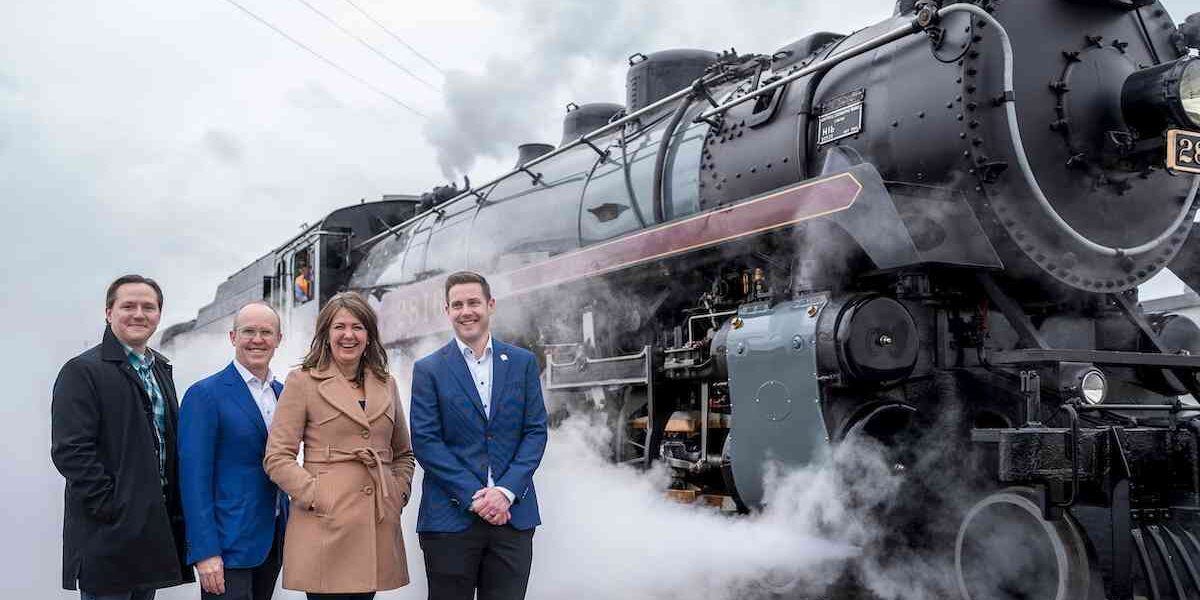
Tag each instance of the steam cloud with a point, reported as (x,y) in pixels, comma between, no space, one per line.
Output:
(488,113)
(577,51)
(610,531)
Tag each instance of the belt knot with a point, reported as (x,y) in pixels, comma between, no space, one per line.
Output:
(373,460)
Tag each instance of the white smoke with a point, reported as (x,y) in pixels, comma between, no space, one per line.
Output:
(610,530)
(198,354)
(577,51)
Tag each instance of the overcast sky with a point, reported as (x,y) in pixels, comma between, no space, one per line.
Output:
(183,140)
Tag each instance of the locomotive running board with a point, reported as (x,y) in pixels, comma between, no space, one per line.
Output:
(1032,356)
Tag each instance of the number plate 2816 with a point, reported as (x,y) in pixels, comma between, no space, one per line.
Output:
(1183,151)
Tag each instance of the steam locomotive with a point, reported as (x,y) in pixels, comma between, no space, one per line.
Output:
(937,223)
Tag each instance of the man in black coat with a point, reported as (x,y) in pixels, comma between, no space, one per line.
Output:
(113,431)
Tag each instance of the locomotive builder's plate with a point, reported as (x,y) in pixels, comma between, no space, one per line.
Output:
(1183,151)
(840,116)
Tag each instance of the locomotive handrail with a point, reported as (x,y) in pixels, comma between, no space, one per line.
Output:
(589,360)
(915,26)
(1073,438)
(711,315)
(1009,100)
(586,138)
(816,67)
(1010,110)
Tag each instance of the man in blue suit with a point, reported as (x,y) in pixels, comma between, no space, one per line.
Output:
(478,427)
(234,514)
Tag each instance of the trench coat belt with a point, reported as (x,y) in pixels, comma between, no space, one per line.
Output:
(371,458)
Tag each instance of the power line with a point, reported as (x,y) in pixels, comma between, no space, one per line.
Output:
(326,60)
(396,37)
(368,46)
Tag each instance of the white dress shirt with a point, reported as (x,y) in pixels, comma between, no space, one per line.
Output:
(480,368)
(261,391)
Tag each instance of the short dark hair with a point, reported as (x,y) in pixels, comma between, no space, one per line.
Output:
(462,277)
(111,296)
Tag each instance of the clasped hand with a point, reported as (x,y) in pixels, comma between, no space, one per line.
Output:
(212,574)
(491,505)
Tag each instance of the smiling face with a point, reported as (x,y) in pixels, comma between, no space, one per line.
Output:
(347,339)
(255,337)
(134,314)
(470,312)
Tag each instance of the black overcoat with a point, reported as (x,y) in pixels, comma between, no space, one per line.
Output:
(121,529)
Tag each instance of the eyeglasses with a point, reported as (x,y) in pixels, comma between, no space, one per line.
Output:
(251,333)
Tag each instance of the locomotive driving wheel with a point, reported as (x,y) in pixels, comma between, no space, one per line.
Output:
(1006,550)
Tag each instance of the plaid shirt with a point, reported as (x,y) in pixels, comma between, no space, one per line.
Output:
(143,365)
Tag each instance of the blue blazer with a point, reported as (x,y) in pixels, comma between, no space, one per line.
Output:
(456,443)
(228,501)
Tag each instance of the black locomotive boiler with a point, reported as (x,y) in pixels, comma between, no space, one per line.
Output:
(935,223)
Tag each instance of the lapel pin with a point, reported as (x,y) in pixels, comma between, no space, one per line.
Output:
(503,357)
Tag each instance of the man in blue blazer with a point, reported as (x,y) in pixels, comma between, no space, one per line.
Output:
(478,427)
(234,514)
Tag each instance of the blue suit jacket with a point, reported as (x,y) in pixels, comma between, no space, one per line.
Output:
(228,501)
(455,443)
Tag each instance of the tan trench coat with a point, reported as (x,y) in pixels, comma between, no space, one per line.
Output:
(343,533)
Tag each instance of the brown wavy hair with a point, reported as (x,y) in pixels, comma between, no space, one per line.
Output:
(374,357)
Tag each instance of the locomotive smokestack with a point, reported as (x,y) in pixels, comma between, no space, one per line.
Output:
(528,152)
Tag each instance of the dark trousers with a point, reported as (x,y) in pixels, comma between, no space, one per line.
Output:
(254,583)
(494,560)
(134,595)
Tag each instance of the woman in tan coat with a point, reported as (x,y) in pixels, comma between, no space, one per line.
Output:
(343,535)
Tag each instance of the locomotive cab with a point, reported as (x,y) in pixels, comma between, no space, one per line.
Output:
(297,277)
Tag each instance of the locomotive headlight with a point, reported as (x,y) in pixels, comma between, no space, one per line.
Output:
(1189,92)
(1092,386)
(1163,95)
